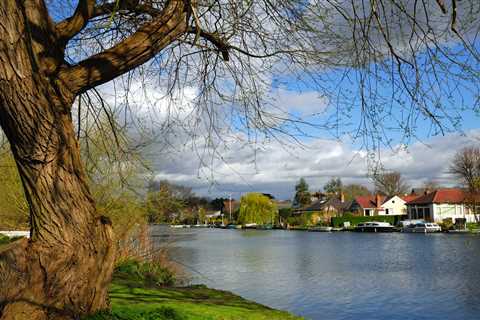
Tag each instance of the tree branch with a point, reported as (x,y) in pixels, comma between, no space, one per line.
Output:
(137,49)
(69,27)
(221,45)
(86,10)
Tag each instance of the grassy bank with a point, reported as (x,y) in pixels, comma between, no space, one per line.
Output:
(134,300)
(137,292)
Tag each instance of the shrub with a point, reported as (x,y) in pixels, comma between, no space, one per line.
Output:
(446,224)
(4,239)
(148,272)
(472,226)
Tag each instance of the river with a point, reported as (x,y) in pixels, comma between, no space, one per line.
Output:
(340,275)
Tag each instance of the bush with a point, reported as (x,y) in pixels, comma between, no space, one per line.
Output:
(446,224)
(150,273)
(355,220)
(4,239)
(472,226)
(163,313)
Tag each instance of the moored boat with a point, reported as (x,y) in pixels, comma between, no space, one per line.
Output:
(178,226)
(320,229)
(422,227)
(374,226)
(265,227)
(459,231)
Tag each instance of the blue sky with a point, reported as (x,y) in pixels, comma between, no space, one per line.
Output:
(274,167)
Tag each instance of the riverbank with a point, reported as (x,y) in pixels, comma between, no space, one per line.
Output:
(132,300)
(135,300)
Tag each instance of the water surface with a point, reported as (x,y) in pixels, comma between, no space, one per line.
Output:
(338,275)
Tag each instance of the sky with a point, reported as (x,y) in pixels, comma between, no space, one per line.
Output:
(236,161)
(237,165)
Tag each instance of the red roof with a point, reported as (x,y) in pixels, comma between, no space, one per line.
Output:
(455,195)
(409,197)
(369,201)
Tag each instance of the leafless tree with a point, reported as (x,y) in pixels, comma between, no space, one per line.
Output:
(466,167)
(404,60)
(389,183)
(431,185)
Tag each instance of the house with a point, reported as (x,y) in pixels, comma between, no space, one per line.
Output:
(378,205)
(323,209)
(442,204)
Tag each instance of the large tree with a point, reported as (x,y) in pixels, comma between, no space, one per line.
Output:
(226,50)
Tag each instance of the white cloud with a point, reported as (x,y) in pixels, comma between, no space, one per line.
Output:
(275,169)
(304,103)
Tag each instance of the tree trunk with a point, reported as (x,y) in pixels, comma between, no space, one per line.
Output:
(64,269)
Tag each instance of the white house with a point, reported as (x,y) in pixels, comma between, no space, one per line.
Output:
(377,205)
(441,204)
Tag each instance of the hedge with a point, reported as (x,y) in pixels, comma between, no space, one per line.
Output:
(354,220)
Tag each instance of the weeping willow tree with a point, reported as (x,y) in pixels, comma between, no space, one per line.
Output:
(257,208)
(407,61)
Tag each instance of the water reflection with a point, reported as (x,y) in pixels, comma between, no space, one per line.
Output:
(339,275)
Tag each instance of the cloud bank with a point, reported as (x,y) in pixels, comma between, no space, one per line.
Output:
(239,167)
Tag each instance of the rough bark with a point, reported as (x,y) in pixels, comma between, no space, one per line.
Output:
(64,270)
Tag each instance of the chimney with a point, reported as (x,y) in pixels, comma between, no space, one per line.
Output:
(378,200)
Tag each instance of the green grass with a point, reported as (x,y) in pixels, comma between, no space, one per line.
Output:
(132,301)
(6,240)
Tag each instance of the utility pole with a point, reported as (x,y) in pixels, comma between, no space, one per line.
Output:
(230,207)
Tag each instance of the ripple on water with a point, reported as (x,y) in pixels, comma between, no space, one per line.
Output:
(340,275)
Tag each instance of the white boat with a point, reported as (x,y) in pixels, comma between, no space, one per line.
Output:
(177,226)
(459,231)
(422,227)
(250,226)
(374,226)
(16,234)
(320,229)
(406,223)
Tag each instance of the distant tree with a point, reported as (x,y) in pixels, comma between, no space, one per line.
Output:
(302,195)
(177,190)
(431,185)
(389,183)
(218,203)
(163,206)
(466,167)
(351,191)
(333,186)
(257,208)
(201,215)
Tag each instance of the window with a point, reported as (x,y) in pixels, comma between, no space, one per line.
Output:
(386,211)
(367,212)
(420,213)
(427,214)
